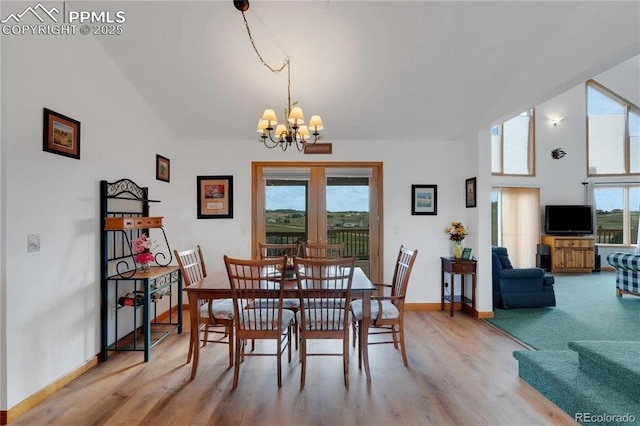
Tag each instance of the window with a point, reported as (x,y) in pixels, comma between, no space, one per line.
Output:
(320,203)
(617,214)
(515,223)
(512,146)
(613,133)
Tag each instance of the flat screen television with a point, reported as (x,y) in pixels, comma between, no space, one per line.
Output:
(568,220)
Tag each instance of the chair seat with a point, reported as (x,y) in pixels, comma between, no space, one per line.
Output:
(264,319)
(290,303)
(389,310)
(322,319)
(325,303)
(221,308)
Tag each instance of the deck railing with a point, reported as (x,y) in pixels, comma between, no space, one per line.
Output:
(355,240)
(609,236)
(613,236)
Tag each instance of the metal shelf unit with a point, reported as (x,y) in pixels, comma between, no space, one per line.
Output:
(124,210)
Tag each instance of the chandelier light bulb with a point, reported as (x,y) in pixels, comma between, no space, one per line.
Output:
(296,117)
(270,116)
(315,124)
(262,126)
(281,131)
(303,132)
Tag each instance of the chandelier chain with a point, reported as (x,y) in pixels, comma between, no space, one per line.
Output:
(293,130)
(269,67)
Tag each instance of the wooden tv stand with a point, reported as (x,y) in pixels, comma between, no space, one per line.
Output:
(570,253)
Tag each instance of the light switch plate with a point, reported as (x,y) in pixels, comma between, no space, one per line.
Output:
(33,243)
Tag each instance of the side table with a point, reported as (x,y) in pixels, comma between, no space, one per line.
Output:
(462,267)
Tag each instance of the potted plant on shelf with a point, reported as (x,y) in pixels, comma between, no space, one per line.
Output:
(142,250)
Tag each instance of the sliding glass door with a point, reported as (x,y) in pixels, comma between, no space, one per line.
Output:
(320,202)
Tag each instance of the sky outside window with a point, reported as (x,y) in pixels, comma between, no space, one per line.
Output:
(339,198)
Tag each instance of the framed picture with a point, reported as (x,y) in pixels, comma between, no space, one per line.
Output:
(466,253)
(424,199)
(61,134)
(215,197)
(163,168)
(470,192)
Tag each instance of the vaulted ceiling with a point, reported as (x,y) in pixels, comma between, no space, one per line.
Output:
(374,70)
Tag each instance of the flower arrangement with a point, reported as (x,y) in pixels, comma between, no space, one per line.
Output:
(289,269)
(456,231)
(142,247)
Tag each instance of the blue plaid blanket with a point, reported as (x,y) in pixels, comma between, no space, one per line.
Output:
(627,267)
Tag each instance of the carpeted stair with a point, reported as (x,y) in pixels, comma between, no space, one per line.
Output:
(596,382)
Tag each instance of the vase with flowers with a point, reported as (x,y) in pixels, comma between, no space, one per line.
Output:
(289,269)
(457,232)
(142,252)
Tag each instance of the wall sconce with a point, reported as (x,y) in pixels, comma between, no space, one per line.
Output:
(555,120)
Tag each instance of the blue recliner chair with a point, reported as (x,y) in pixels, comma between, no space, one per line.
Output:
(519,287)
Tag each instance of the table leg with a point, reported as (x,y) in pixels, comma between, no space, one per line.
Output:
(146,321)
(194,314)
(442,289)
(366,319)
(452,293)
(463,304)
(473,294)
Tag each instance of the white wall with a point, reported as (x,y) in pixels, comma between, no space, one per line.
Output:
(404,164)
(51,298)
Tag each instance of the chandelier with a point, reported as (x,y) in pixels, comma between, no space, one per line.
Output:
(293,132)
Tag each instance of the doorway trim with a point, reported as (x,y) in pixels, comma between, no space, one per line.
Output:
(376,204)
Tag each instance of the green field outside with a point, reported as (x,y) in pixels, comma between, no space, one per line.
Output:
(349,228)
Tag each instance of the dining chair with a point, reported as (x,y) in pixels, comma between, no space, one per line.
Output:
(291,250)
(324,286)
(268,250)
(323,251)
(258,309)
(387,311)
(214,314)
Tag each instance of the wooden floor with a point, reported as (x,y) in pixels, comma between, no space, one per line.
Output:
(461,373)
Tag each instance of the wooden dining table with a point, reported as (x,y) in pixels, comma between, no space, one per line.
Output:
(214,288)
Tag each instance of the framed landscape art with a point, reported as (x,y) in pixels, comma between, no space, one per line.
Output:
(424,199)
(215,197)
(163,168)
(60,134)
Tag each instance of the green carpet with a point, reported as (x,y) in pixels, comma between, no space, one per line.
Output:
(586,309)
(559,376)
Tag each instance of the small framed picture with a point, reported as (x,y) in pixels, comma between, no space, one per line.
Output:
(163,168)
(61,134)
(424,199)
(466,253)
(215,197)
(470,192)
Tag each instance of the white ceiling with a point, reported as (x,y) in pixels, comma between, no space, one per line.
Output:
(374,70)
